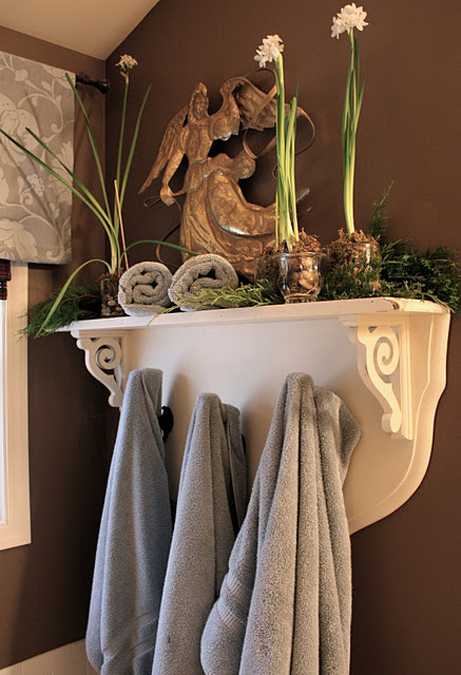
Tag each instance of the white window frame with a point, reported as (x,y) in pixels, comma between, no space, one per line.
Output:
(15,529)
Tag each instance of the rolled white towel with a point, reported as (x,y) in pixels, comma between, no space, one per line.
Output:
(143,288)
(201,271)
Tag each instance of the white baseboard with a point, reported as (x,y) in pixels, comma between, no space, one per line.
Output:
(67,660)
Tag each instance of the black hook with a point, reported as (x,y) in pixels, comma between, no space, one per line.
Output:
(101,85)
(166,421)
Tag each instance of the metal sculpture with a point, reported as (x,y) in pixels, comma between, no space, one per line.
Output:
(216,217)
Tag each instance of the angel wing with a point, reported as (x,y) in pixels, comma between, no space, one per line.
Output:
(257,107)
(170,145)
(258,110)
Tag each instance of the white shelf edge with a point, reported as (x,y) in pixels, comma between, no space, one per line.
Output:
(270,313)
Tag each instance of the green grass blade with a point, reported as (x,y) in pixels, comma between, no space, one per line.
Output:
(59,178)
(46,147)
(159,242)
(133,145)
(118,172)
(283,224)
(347,113)
(93,145)
(47,168)
(290,168)
(359,109)
(81,186)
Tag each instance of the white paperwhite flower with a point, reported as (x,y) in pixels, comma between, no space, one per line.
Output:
(347,19)
(127,63)
(270,49)
(337,27)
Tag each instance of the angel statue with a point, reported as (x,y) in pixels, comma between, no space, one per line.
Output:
(216,217)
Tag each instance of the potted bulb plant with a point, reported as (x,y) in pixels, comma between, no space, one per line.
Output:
(355,251)
(298,255)
(108,215)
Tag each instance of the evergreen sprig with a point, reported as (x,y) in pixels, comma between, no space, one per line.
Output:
(79,302)
(248,295)
(405,272)
(433,275)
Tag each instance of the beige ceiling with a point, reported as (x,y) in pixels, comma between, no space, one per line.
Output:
(93,27)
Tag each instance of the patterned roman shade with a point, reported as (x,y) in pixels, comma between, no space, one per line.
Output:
(35,209)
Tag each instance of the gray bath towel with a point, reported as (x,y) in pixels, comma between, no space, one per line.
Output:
(202,271)
(143,288)
(285,604)
(134,538)
(211,506)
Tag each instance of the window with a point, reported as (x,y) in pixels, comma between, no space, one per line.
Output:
(14,464)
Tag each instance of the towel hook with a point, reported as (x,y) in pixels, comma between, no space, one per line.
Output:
(166,421)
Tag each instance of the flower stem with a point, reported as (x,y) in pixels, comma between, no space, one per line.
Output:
(121,139)
(93,145)
(118,172)
(286,218)
(351,115)
(291,177)
(122,229)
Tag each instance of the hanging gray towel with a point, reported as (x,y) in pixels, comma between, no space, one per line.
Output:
(134,538)
(211,506)
(285,603)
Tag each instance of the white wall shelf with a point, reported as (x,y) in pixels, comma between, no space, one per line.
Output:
(399,347)
(271,313)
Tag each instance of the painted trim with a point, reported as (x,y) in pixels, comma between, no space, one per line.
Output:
(16,529)
(67,660)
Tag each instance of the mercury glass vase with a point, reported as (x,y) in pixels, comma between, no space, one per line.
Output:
(300,276)
(366,261)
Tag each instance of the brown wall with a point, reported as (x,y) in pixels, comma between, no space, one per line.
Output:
(407,596)
(44,587)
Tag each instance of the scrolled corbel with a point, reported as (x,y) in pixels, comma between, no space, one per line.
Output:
(103,359)
(384,365)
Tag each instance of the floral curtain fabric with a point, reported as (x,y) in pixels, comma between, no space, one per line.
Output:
(35,208)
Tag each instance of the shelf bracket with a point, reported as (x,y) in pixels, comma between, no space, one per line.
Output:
(384,364)
(399,348)
(103,359)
